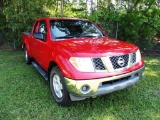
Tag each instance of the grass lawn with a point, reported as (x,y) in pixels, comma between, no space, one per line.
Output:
(25,95)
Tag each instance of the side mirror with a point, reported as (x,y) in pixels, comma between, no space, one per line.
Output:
(39,36)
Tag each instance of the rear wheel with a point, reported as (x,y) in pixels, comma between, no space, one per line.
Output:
(58,87)
(26,56)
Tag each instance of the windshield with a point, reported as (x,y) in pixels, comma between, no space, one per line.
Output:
(61,29)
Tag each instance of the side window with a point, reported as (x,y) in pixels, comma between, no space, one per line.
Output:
(36,27)
(42,27)
(40,30)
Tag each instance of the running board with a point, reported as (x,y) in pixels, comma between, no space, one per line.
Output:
(40,70)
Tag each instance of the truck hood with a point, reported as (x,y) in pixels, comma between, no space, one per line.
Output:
(96,47)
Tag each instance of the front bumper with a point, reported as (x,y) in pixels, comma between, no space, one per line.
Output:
(97,87)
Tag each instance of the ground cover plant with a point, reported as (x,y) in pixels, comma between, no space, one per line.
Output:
(24,94)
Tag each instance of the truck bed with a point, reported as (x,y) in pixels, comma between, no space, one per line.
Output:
(27,33)
(25,37)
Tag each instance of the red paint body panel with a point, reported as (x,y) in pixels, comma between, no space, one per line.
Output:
(60,52)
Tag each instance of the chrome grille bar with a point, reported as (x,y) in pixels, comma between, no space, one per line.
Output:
(114,63)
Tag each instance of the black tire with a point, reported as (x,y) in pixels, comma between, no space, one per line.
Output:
(58,87)
(26,56)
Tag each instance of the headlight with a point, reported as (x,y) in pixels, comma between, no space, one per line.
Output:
(82,64)
(138,56)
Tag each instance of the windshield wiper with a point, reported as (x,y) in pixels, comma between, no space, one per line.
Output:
(65,37)
(79,36)
(91,35)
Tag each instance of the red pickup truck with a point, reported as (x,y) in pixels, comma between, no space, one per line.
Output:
(79,60)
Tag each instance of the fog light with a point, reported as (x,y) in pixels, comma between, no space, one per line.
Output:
(85,89)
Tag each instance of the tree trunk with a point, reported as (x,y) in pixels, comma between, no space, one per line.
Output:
(61,8)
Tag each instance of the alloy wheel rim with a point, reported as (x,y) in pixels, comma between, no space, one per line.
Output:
(57,86)
(26,55)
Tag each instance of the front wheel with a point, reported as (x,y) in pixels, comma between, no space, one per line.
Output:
(58,87)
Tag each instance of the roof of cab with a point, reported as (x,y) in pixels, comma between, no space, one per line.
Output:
(60,18)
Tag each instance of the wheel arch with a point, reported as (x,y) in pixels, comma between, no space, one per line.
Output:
(62,62)
(25,45)
(51,65)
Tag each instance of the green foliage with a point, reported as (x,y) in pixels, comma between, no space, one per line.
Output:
(2,26)
(20,16)
(139,23)
(140,26)
(138,20)
(106,18)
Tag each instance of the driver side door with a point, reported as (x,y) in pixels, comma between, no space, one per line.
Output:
(40,45)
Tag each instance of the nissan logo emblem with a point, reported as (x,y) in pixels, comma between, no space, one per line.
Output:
(121,61)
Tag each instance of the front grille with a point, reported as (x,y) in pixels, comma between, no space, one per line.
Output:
(134,58)
(116,60)
(98,64)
